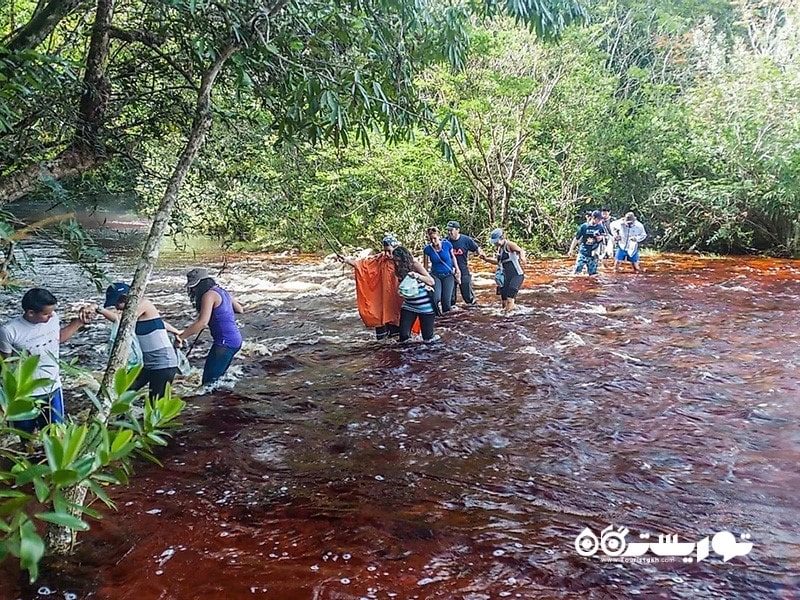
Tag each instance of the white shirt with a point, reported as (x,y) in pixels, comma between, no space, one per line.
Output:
(634,233)
(40,339)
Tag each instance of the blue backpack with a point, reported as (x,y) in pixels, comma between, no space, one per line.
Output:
(499,277)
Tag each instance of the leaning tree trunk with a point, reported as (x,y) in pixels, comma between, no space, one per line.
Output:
(60,539)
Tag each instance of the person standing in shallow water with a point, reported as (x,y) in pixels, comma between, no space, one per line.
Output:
(159,361)
(462,246)
(628,234)
(510,259)
(38,332)
(589,236)
(417,303)
(439,254)
(216,309)
(376,290)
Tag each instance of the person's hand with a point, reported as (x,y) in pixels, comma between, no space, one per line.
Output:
(177,342)
(87,314)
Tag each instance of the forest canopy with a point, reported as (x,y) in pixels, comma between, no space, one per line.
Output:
(684,111)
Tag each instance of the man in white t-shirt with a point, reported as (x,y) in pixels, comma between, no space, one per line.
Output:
(38,332)
(628,233)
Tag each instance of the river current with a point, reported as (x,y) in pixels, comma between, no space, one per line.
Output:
(332,466)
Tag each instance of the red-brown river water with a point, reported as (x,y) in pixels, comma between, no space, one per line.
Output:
(337,467)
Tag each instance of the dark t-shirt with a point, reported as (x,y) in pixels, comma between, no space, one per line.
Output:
(461,247)
(589,236)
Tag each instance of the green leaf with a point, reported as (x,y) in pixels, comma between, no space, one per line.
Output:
(74,444)
(98,491)
(122,438)
(64,519)
(64,477)
(9,507)
(41,488)
(54,451)
(31,549)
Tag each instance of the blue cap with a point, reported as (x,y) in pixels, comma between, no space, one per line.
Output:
(452,225)
(496,235)
(597,214)
(390,240)
(114,292)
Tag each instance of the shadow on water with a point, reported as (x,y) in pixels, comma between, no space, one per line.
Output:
(341,467)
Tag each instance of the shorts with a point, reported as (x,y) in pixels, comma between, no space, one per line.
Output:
(623,255)
(511,286)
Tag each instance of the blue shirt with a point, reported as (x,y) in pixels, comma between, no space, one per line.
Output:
(441,261)
(589,236)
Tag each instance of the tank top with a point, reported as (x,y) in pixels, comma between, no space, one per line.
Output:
(157,350)
(222,324)
(509,261)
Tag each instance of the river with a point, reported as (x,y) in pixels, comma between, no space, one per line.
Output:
(333,466)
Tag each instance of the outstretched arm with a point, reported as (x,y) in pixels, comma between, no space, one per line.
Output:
(72,327)
(206,306)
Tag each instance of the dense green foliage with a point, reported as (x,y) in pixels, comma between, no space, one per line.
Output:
(93,454)
(684,111)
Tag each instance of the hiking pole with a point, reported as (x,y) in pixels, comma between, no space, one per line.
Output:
(189,350)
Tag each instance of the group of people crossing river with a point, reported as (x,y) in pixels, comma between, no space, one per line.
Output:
(397,295)
(396,292)
(38,332)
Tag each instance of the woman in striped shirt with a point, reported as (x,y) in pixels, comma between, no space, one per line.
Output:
(419,305)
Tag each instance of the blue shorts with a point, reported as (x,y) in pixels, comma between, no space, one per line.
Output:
(623,255)
(52,411)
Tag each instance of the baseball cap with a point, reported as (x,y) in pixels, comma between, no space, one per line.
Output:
(630,217)
(452,225)
(597,214)
(195,276)
(390,240)
(114,292)
(496,235)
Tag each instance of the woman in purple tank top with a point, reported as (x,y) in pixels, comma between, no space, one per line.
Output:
(215,309)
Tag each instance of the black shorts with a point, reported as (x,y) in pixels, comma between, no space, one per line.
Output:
(511,286)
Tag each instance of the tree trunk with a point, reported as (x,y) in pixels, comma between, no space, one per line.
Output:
(59,540)
(96,87)
(42,24)
(71,161)
(83,154)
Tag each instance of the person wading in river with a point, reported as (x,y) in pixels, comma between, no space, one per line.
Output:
(413,278)
(38,332)
(589,236)
(376,290)
(216,309)
(510,259)
(462,246)
(439,254)
(628,234)
(159,360)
